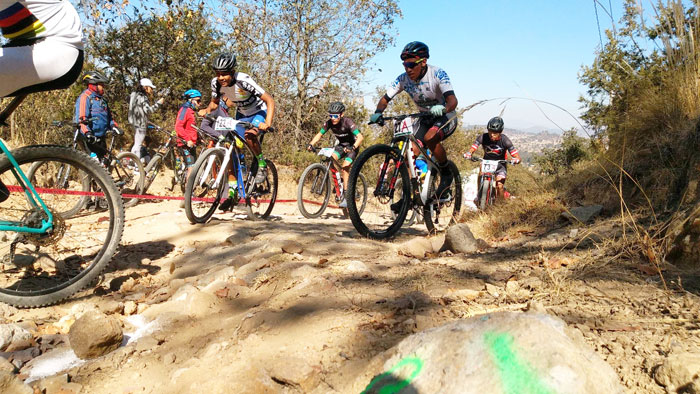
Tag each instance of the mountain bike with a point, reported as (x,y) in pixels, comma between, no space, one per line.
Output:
(384,166)
(207,185)
(318,181)
(171,153)
(486,195)
(125,167)
(46,257)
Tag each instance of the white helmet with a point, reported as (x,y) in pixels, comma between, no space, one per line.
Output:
(145,82)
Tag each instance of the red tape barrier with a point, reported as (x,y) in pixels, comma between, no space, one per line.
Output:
(41,190)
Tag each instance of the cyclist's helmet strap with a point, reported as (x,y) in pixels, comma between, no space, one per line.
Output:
(224,62)
(415,49)
(94,77)
(495,124)
(336,107)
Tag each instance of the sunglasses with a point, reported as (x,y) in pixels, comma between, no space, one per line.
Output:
(413,64)
(334,116)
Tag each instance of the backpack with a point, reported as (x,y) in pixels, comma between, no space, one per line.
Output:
(132,101)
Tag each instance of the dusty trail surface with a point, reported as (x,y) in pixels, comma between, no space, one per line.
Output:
(298,305)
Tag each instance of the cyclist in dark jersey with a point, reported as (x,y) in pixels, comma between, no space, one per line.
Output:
(495,144)
(349,140)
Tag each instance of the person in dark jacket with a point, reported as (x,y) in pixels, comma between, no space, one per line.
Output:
(93,114)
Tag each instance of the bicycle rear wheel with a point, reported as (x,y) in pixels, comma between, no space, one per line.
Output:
(314,191)
(42,269)
(445,205)
(61,176)
(128,174)
(260,198)
(201,196)
(378,166)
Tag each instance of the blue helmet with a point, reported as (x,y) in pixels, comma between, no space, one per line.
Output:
(192,93)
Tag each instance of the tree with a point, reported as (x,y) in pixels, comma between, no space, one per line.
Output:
(302,48)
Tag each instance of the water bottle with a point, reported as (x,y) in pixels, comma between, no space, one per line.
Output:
(421,167)
(93,156)
(178,164)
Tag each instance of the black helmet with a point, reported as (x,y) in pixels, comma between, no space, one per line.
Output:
(495,124)
(94,77)
(415,49)
(336,107)
(224,62)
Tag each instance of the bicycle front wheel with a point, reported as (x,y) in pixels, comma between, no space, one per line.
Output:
(377,164)
(152,171)
(445,204)
(260,198)
(45,268)
(485,193)
(128,174)
(202,196)
(412,213)
(314,191)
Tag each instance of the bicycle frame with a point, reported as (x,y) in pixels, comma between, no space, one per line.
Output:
(32,196)
(404,138)
(330,169)
(228,125)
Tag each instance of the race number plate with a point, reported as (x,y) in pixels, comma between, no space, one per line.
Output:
(489,166)
(225,124)
(407,127)
(326,152)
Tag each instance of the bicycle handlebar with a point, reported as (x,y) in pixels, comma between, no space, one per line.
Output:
(476,158)
(402,117)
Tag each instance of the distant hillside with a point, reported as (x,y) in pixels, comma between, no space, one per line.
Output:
(530,142)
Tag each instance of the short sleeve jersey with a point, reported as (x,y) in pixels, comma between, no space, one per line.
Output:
(245,93)
(425,93)
(495,150)
(31,19)
(344,131)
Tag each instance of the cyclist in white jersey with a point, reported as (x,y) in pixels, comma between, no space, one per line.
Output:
(431,90)
(43,47)
(253,105)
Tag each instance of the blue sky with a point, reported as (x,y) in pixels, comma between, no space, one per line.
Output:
(503,48)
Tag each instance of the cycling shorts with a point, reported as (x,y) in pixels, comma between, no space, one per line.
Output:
(255,119)
(45,65)
(340,152)
(435,121)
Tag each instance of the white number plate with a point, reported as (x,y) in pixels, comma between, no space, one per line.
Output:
(225,124)
(326,152)
(407,127)
(489,166)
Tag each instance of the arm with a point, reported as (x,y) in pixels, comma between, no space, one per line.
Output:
(383,103)
(82,112)
(270,102)
(213,105)
(450,102)
(317,137)
(190,133)
(358,140)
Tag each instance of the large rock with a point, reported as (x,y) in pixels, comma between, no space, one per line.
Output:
(583,214)
(187,300)
(293,371)
(416,247)
(95,334)
(680,372)
(10,384)
(684,231)
(459,239)
(14,338)
(504,352)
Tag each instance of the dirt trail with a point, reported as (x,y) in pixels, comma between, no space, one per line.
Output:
(298,305)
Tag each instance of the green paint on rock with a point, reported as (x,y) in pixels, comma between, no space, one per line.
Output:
(517,376)
(394,386)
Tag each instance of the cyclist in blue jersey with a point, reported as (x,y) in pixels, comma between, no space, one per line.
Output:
(431,90)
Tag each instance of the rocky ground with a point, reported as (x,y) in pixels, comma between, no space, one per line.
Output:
(298,305)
